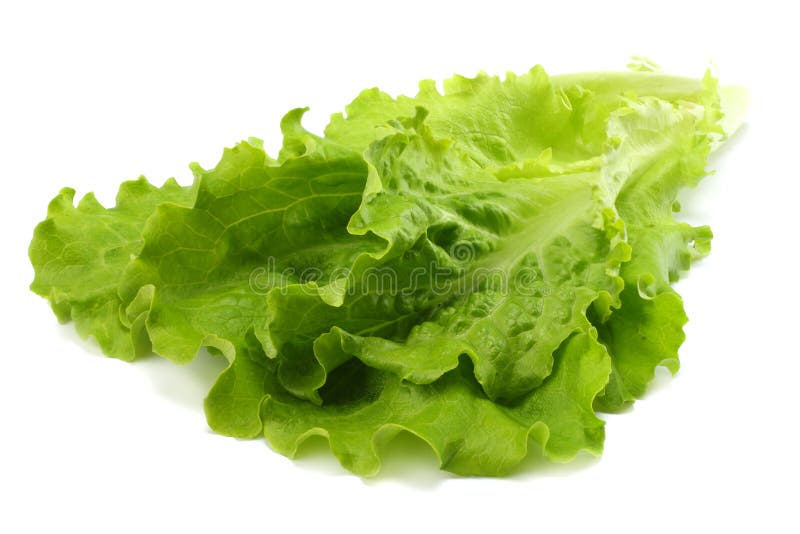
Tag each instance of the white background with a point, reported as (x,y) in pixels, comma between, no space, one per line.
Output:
(92,94)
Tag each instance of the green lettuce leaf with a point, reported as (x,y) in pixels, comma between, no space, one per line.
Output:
(478,267)
(526,282)
(256,225)
(648,134)
(470,434)
(648,328)
(80,252)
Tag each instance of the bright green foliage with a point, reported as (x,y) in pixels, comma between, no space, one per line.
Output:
(479,268)
(79,254)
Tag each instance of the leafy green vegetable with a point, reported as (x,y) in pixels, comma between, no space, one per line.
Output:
(478,267)
(79,254)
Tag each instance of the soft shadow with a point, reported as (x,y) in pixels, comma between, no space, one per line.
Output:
(662,380)
(315,455)
(536,465)
(694,207)
(737,138)
(409,460)
(67,332)
(405,459)
(186,385)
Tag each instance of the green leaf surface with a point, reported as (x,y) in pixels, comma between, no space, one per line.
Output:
(479,267)
(80,252)
(470,434)
(256,225)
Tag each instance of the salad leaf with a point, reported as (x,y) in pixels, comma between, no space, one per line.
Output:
(536,254)
(478,267)
(470,434)
(80,252)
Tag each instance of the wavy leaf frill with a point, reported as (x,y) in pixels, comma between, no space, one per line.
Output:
(480,267)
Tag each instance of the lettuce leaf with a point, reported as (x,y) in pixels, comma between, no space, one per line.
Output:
(478,267)
(80,252)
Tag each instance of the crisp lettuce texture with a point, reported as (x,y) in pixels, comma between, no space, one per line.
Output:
(480,266)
